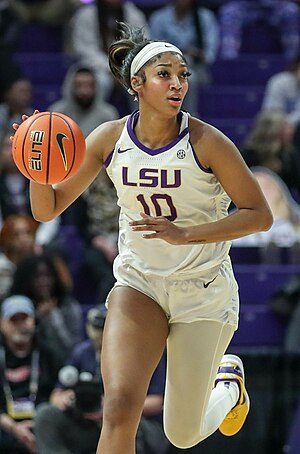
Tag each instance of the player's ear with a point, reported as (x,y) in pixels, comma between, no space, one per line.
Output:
(136,83)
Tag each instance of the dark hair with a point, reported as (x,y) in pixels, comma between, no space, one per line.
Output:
(107,26)
(198,25)
(122,51)
(26,271)
(9,224)
(84,69)
(294,64)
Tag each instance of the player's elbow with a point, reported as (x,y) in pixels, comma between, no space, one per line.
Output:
(266,220)
(42,216)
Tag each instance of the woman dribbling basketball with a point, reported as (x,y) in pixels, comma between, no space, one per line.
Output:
(175,176)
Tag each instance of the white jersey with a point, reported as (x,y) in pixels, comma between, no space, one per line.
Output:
(168,181)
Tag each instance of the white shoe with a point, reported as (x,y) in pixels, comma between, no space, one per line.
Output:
(231,369)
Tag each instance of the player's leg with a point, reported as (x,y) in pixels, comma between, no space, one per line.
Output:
(192,411)
(134,339)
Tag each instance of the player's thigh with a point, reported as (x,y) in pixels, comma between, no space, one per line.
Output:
(194,352)
(134,340)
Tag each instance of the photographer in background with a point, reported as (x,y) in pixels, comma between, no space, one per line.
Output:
(73,416)
(26,377)
(69,429)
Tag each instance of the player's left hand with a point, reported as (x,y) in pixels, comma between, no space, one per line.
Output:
(160,227)
(24,118)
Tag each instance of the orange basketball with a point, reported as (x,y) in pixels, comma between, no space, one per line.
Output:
(48,147)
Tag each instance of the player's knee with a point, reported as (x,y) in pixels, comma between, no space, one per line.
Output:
(182,436)
(121,407)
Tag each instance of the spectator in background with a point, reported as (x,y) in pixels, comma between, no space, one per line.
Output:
(82,99)
(17,241)
(50,12)
(93,28)
(195,30)
(270,144)
(234,16)
(74,415)
(73,425)
(14,194)
(14,187)
(285,231)
(292,335)
(17,101)
(46,281)
(9,35)
(26,377)
(285,303)
(96,216)
(283,92)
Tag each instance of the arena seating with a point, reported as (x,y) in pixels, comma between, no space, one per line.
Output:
(259,326)
(229,103)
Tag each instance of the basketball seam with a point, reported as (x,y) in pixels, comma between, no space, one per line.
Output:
(49,146)
(74,143)
(23,146)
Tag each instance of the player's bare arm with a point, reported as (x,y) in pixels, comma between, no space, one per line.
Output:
(48,202)
(216,152)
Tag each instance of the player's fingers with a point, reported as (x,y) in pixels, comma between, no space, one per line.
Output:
(153,218)
(148,236)
(36,112)
(15,126)
(144,215)
(24,117)
(147,221)
(141,228)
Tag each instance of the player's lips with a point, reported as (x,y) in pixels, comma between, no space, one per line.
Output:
(175,100)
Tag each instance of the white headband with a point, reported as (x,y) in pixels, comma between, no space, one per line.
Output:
(150,51)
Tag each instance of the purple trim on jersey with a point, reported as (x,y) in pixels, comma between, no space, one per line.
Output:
(108,159)
(130,129)
(199,163)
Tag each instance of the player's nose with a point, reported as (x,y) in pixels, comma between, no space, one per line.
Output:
(176,83)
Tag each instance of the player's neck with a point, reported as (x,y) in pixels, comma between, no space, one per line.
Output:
(156,132)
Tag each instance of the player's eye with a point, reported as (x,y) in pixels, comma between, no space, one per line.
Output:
(163,73)
(185,74)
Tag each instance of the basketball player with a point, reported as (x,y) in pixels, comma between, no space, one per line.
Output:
(175,176)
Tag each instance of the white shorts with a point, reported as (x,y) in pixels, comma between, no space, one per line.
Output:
(212,295)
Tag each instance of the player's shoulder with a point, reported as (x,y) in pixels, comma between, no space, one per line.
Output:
(202,132)
(208,141)
(111,127)
(107,133)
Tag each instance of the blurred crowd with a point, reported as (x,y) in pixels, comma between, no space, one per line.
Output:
(52,313)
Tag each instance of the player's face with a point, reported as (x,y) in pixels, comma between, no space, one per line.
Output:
(166,83)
